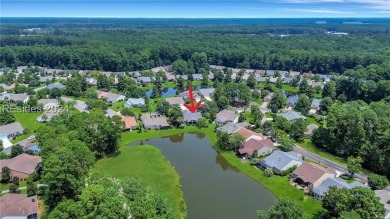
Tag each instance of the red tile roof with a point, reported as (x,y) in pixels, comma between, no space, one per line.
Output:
(129,121)
(23,163)
(309,172)
(247,133)
(254,145)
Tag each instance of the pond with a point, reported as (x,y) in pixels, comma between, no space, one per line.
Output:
(170,91)
(212,187)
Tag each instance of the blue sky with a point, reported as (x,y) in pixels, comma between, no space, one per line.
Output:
(195,8)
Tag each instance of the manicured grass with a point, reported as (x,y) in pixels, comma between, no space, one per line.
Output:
(279,186)
(28,121)
(311,120)
(308,145)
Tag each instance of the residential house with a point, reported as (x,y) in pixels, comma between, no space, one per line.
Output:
(312,175)
(130,122)
(144,80)
(19,98)
(231,128)
(56,85)
(292,101)
(310,129)
(288,80)
(197,77)
(49,103)
(321,190)
(110,97)
(191,118)
(226,116)
(184,77)
(157,69)
(110,113)
(273,80)
(249,134)
(48,114)
(44,79)
(154,121)
(81,106)
(175,101)
(315,104)
(135,102)
(245,77)
(316,84)
(308,74)
(20,69)
(206,93)
(268,98)
(170,77)
(30,145)
(384,198)
(217,67)
(261,147)
(19,206)
(21,165)
(260,79)
(211,76)
(280,161)
(292,116)
(134,74)
(294,73)
(186,95)
(91,82)
(11,130)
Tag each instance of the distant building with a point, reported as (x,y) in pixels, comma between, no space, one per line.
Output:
(19,98)
(292,101)
(135,102)
(175,101)
(206,92)
(56,85)
(110,97)
(226,116)
(197,77)
(231,128)
(292,116)
(49,103)
(144,80)
(154,121)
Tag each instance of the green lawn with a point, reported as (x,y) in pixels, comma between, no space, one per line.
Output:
(29,122)
(149,165)
(308,145)
(279,186)
(311,120)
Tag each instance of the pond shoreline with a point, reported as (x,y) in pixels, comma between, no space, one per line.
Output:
(279,186)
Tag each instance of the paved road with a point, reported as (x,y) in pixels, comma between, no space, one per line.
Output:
(327,162)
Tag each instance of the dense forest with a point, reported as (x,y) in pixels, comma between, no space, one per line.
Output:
(116,45)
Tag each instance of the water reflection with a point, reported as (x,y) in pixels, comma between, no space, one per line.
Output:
(212,188)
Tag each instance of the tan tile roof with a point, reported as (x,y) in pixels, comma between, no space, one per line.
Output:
(310,172)
(18,205)
(129,121)
(247,133)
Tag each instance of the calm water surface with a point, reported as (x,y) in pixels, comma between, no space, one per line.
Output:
(212,188)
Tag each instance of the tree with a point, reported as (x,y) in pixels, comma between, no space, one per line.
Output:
(325,104)
(298,129)
(236,141)
(303,104)
(203,123)
(103,82)
(251,82)
(222,103)
(354,165)
(303,86)
(5,174)
(180,67)
(377,182)
(283,209)
(55,93)
(127,112)
(228,76)
(279,83)
(329,90)
(285,143)
(162,107)
(176,116)
(31,189)
(16,150)
(155,93)
(278,101)
(14,188)
(223,140)
(359,199)
(6,117)
(205,79)
(67,209)
(200,61)
(15,180)
(257,115)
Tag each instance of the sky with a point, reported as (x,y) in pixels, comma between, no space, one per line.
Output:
(195,8)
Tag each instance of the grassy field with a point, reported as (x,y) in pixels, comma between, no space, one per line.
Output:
(279,186)
(28,121)
(149,165)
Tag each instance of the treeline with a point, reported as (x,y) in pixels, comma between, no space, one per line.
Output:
(114,50)
(357,129)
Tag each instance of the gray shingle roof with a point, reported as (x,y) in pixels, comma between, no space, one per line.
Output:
(190,116)
(338,182)
(11,128)
(56,85)
(279,159)
(292,100)
(315,103)
(292,115)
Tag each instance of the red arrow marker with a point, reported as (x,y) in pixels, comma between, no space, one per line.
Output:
(193,107)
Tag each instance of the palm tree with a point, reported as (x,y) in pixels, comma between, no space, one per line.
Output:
(268,172)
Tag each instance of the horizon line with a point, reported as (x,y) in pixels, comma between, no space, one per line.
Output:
(195,17)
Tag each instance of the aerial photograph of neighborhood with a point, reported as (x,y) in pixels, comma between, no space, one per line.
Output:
(198,109)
